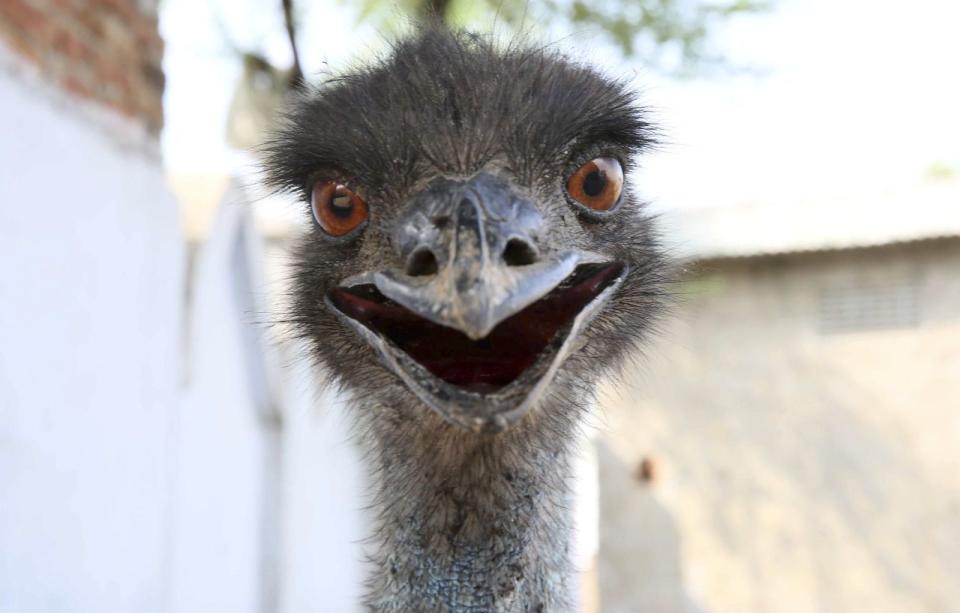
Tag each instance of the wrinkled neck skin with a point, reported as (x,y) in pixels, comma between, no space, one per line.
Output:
(473,522)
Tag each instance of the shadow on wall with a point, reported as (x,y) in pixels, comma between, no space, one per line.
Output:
(640,564)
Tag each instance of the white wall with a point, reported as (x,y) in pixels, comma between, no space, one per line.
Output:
(90,287)
(154,457)
(267,486)
(222,437)
(324,493)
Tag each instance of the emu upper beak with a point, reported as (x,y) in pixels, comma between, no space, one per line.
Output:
(487,257)
(483,312)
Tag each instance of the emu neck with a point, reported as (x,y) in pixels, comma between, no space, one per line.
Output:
(472,522)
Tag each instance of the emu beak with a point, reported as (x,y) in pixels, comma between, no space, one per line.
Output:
(476,291)
(483,313)
(480,284)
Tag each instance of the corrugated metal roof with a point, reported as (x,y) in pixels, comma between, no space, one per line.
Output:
(930,210)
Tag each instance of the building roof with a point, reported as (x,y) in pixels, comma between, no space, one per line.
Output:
(928,211)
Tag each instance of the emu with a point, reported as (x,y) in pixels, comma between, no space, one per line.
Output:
(477,261)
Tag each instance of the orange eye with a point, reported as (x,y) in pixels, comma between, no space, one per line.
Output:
(597,184)
(337,209)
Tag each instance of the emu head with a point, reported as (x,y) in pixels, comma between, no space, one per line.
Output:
(476,245)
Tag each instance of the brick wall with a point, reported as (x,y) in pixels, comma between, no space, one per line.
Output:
(109,51)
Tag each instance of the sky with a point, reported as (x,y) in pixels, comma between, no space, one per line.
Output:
(839,97)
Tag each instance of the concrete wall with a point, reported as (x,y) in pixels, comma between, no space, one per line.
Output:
(90,294)
(225,461)
(322,564)
(267,489)
(154,453)
(801,467)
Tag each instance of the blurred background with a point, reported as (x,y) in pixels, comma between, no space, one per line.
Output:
(790,442)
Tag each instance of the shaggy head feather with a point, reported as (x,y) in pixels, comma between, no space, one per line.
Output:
(467,521)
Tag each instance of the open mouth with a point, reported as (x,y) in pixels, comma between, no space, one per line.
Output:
(489,364)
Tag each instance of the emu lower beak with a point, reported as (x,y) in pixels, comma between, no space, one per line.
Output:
(479,332)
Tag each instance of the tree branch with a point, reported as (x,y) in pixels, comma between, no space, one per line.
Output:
(296,79)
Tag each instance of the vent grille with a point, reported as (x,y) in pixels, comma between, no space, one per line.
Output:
(870,307)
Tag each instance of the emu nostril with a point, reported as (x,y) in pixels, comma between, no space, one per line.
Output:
(440,221)
(422,263)
(519,253)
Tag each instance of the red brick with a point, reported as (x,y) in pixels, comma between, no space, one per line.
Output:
(21,44)
(125,8)
(69,44)
(91,22)
(22,16)
(103,50)
(76,86)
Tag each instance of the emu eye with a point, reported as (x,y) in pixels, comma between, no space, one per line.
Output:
(597,184)
(338,210)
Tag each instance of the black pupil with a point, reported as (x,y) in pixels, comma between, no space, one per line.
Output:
(594,183)
(341,205)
